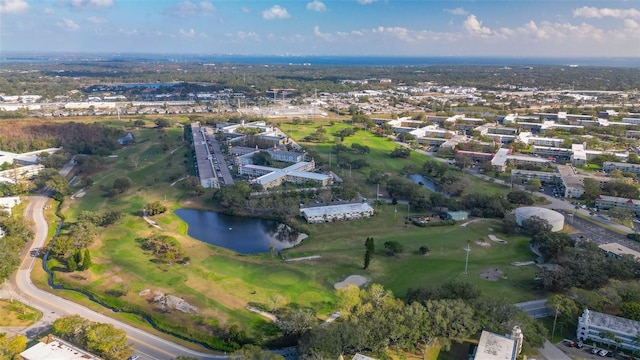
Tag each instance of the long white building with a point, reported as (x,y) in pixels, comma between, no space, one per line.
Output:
(333,213)
(592,324)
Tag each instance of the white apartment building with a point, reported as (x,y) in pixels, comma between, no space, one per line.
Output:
(624,167)
(607,202)
(592,324)
(332,213)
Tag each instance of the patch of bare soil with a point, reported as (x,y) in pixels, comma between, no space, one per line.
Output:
(491,274)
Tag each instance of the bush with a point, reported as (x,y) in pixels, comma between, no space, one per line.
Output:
(632,236)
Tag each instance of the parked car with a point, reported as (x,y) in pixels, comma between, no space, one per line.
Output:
(595,350)
(603,353)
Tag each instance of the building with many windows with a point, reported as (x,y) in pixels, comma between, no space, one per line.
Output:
(624,167)
(604,202)
(298,173)
(333,213)
(608,329)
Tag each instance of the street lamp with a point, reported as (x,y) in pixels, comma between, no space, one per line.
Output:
(466,261)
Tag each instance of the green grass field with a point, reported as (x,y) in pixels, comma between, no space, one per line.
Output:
(221,283)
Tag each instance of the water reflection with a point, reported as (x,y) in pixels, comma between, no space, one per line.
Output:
(241,234)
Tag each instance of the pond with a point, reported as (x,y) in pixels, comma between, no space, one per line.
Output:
(426,183)
(241,234)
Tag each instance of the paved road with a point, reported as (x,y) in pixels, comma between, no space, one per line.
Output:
(148,346)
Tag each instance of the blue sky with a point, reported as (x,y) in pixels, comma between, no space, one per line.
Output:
(520,28)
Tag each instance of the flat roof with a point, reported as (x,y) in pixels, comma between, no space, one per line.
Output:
(496,347)
(606,321)
(619,250)
(527,158)
(501,157)
(56,350)
(336,209)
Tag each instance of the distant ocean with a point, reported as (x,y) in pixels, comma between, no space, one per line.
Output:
(320,60)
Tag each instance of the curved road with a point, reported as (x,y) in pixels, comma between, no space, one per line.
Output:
(148,346)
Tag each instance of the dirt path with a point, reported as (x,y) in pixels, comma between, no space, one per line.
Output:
(304,258)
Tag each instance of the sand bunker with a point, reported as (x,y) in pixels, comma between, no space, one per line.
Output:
(491,274)
(357,280)
(496,239)
(482,243)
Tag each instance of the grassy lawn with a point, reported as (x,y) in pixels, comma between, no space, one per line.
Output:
(221,283)
(15,313)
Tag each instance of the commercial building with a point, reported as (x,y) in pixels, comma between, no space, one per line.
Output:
(333,213)
(604,202)
(56,349)
(499,347)
(593,324)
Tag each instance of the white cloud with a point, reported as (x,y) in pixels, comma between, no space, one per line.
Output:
(457,11)
(398,32)
(474,26)
(593,12)
(276,12)
(188,8)
(241,35)
(318,33)
(316,5)
(68,24)
(630,24)
(13,6)
(96,20)
(48,11)
(246,10)
(366,2)
(188,33)
(92,3)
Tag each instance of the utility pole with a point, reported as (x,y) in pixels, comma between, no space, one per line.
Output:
(553,332)
(466,261)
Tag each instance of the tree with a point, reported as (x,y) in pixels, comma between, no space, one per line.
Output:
(519,197)
(536,225)
(11,347)
(103,339)
(82,233)
(424,250)
(120,185)
(86,261)
(165,248)
(162,123)
(393,247)
(254,352)
(71,264)
(155,208)
(139,123)
(297,322)
(509,224)
(275,302)
(533,185)
(262,158)
(631,310)
(370,249)
(400,152)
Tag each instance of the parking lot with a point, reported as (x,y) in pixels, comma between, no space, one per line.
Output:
(596,233)
(586,352)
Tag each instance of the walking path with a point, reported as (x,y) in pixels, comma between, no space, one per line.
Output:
(304,258)
(269,316)
(551,352)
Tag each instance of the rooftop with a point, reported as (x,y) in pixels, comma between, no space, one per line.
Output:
(336,209)
(56,349)
(619,250)
(606,321)
(496,347)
